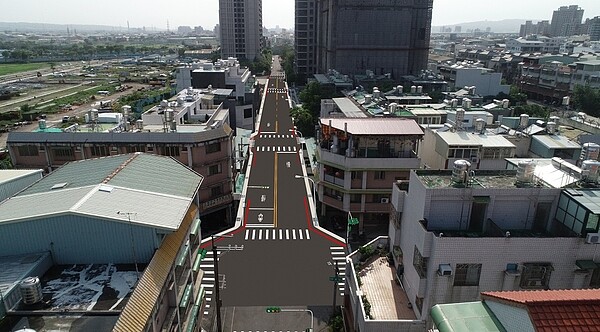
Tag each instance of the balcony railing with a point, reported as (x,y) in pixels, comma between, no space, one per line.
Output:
(408,160)
(334,180)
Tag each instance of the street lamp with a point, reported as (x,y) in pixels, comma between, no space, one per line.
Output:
(297,176)
(297,131)
(335,280)
(216,267)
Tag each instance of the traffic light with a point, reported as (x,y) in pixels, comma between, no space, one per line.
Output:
(273,310)
(202,252)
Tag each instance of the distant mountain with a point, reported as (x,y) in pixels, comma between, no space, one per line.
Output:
(503,26)
(48,27)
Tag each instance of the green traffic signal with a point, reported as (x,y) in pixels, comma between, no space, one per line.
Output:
(202,253)
(273,310)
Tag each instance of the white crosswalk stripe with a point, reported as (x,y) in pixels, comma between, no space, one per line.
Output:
(267,148)
(265,234)
(338,255)
(264,135)
(208,280)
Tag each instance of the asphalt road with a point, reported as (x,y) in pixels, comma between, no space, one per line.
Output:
(286,261)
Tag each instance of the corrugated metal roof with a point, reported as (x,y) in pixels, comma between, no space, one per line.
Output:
(371,126)
(157,211)
(465,317)
(555,142)
(138,311)
(103,186)
(41,204)
(349,108)
(78,174)
(465,138)
(156,174)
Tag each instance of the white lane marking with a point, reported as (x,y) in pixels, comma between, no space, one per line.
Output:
(268,148)
(300,234)
(247,232)
(260,234)
(280,234)
(334,248)
(287,234)
(266,234)
(274,237)
(307,234)
(294,233)
(337,253)
(294,149)
(253,234)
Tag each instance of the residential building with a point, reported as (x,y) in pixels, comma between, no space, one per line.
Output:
(522,45)
(487,82)
(440,225)
(485,150)
(530,28)
(204,147)
(305,38)
(545,78)
(527,311)
(122,209)
(566,21)
(386,37)
(215,78)
(240,23)
(358,159)
(586,73)
(594,29)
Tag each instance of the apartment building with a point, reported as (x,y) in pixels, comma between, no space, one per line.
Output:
(204,147)
(305,38)
(566,21)
(459,234)
(358,159)
(240,24)
(462,74)
(385,37)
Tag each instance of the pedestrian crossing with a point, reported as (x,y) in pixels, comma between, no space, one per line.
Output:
(276,148)
(338,255)
(208,279)
(276,136)
(276,234)
(272,90)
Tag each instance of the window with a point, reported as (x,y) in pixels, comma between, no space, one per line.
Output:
(420,263)
(63,153)
(247,113)
(536,275)
(214,169)
(136,148)
(216,191)
(356,175)
(99,151)
(28,150)
(213,147)
(467,275)
(355,198)
(171,151)
(379,175)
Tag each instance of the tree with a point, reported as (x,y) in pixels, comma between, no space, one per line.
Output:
(533,110)
(586,99)
(304,120)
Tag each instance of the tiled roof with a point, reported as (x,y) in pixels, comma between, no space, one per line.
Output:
(556,310)
(563,295)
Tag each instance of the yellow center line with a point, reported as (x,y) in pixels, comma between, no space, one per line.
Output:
(275,193)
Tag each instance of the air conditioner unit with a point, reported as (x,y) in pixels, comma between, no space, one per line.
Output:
(445,270)
(593,238)
(385,200)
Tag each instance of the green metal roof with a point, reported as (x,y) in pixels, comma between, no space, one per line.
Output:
(78,174)
(157,174)
(465,317)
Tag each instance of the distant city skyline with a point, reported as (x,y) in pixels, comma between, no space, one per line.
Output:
(204,13)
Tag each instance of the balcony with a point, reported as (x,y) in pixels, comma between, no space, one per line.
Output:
(335,202)
(400,161)
(334,180)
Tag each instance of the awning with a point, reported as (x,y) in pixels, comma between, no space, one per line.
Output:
(183,255)
(586,264)
(185,299)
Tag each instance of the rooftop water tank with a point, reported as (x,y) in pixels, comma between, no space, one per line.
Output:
(460,118)
(139,124)
(400,88)
(566,100)
(42,124)
(413,89)
(368,99)
(31,290)
(480,125)
(505,103)
(169,115)
(419,89)
(454,103)
(525,171)
(460,171)
(551,128)
(164,103)
(524,120)
(466,103)
(590,170)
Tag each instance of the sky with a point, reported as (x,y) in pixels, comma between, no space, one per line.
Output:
(144,13)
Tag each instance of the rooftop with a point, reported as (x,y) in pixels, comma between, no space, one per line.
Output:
(349,108)
(474,139)
(374,126)
(100,187)
(498,179)
(555,142)
(7,175)
(465,317)
(388,300)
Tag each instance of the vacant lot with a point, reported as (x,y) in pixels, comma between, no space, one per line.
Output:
(12,68)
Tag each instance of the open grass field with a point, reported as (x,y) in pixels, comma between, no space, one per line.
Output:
(13,68)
